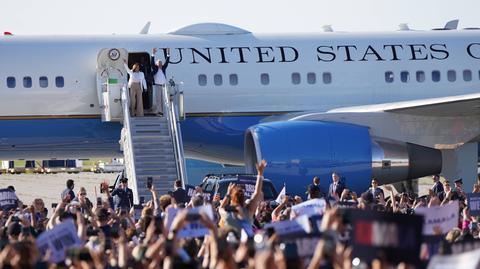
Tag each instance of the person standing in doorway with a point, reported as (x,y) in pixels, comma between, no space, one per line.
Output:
(137,85)
(159,71)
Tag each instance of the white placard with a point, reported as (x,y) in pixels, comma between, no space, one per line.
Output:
(300,225)
(62,237)
(194,228)
(310,207)
(445,217)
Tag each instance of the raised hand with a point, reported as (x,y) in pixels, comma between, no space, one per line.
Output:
(261,167)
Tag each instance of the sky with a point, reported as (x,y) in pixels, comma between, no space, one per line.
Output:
(261,16)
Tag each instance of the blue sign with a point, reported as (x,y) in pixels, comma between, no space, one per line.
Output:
(474,203)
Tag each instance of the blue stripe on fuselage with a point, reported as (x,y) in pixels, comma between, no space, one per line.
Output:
(209,137)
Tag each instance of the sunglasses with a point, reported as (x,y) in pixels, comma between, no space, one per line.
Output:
(83,194)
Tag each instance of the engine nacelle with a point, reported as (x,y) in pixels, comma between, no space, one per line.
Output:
(297,151)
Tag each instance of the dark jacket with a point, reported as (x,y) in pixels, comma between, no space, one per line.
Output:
(338,190)
(124,199)
(181,196)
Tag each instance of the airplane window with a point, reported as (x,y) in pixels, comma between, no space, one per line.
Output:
(451,75)
(43,82)
(265,79)
(27,82)
(11,83)
(389,76)
(296,78)
(435,76)
(311,78)
(327,78)
(202,80)
(420,76)
(404,76)
(233,79)
(467,75)
(217,79)
(59,82)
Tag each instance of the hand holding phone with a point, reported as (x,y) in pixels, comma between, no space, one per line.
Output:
(149,182)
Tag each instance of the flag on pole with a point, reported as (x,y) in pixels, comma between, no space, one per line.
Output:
(281,195)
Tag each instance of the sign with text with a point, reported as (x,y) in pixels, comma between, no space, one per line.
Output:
(474,203)
(444,217)
(62,237)
(8,199)
(310,208)
(192,228)
(466,260)
(298,226)
(191,192)
(249,183)
(396,237)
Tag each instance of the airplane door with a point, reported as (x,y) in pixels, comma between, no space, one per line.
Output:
(111,78)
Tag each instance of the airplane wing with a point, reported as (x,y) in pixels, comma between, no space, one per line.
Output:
(451,106)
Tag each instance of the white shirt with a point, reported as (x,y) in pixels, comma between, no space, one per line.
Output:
(136,77)
(159,77)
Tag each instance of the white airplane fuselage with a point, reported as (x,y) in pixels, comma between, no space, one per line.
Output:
(308,72)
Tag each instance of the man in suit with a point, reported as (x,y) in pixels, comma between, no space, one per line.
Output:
(437,187)
(315,187)
(68,192)
(159,72)
(375,190)
(179,193)
(125,195)
(336,187)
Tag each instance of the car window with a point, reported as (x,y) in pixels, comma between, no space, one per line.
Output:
(209,186)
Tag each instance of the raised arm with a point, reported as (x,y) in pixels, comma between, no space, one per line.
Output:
(258,194)
(129,71)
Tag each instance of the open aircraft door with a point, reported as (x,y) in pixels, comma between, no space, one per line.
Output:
(111,78)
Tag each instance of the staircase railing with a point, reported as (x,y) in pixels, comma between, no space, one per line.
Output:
(128,145)
(173,99)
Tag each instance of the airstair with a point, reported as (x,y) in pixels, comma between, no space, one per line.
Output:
(152,145)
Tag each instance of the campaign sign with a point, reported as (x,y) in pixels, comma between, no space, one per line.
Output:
(62,237)
(192,228)
(249,183)
(466,260)
(191,192)
(474,203)
(310,208)
(8,199)
(445,217)
(396,237)
(295,227)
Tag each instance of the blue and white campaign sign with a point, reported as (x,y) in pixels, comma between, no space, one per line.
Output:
(62,237)
(249,183)
(466,260)
(192,228)
(445,217)
(8,199)
(191,192)
(297,226)
(474,203)
(310,208)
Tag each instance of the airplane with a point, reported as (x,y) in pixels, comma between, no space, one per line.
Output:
(392,105)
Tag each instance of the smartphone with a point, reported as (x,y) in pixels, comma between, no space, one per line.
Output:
(108,243)
(142,200)
(149,182)
(99,201)
(193,216)
(54,205)
(101,188)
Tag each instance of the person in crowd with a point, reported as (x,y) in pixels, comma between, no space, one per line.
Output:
(376,191)
(179,193)
(159,71)
(336,187)
(137,84)
(437,187)
(123,194)
(315,185)
(68,192)
(85,205)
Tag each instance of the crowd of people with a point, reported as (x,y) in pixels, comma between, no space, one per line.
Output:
(115,233)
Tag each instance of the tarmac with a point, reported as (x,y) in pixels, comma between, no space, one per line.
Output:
(49,186)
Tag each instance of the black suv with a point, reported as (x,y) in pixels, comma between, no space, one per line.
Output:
(219,184)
